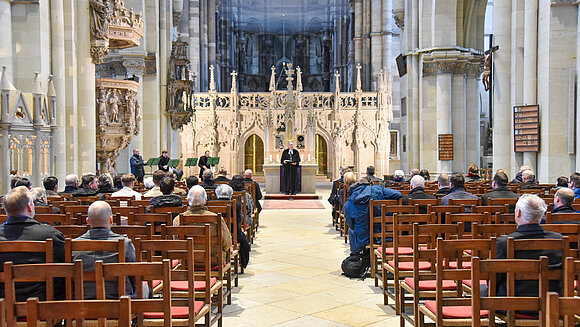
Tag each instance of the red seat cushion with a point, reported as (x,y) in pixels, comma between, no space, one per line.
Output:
(408,266)
(176,312)
(174,263)
(464,264)
(156,283)
(468,283)
(402,250)
(454,312)
(430,285)
(183,285)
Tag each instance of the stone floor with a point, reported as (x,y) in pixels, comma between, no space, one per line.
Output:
(294,277)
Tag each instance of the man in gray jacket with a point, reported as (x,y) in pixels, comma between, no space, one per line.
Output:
(100,219)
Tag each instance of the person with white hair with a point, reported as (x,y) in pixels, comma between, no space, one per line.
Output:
(208,182)
(399,176)
(518,178)
(248,178)
(224,192)
(530,209)
(196,198)
(71,183)
(529,180)
(39,198)
(417,187)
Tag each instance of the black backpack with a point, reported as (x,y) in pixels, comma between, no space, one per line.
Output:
(356,265)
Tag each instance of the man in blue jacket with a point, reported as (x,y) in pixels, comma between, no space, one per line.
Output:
(356,211)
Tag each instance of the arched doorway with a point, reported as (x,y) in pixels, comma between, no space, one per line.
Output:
(254,154)
(321,155)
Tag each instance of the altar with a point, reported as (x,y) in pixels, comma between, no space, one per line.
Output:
(307,177)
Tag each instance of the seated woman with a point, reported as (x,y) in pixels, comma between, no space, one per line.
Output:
(225,192)
(237,184)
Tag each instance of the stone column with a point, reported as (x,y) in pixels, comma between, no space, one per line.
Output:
(6,39)
(376,54)
(58,66)
(444,115)
(85,124)
(4,145)
(530,65)
(472,116)
(151,83)
(578,92)
(502,117)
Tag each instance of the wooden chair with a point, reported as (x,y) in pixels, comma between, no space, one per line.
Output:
(122,201)
(172,210)
(571,272)
(53,219)
(133,232)
(86,200)
(72,231)
(452,265)
(81,309)
(442,210)
(422,285)
(143,273)
(466,202)
(560,306)
(515,270)
(143,203)
(571,231)
(228,213)
(153,219)
(222,269)
(424,203)
(401,251)
(504,218)
(75,211)
(563,218)
(192,278)
(491,209)
(41,209)
(468,219)
(40,273)
(485,231)
(387,208)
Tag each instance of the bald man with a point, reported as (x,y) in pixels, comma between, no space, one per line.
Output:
(563,200)
(100,219)
(529,180)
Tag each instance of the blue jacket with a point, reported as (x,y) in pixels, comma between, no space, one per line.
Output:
(577,193)
(356,212)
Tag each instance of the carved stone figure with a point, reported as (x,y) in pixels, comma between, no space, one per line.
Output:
(99,11)
(114,102)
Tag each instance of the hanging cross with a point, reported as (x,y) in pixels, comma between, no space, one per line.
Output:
(234,74)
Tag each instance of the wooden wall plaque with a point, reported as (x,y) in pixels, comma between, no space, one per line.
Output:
(527,128)
(445,147)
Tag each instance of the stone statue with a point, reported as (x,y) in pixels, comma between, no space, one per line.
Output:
(487,70)
(99,10)
(102,107)
(114,106)
(137,117)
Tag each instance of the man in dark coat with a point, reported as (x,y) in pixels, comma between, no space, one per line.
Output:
(458,191)
(137,164)
(222,176)
(168,199)
(529,210)
(417,192)
(100,219)
(290,160)
(89,186)
(500,189)
(208,182)
(50,184)
(163,161)
(225,192)
(71,183)
(563,200)
(529,180)
(371,176)
(202,163)
(443,184)
(21,226)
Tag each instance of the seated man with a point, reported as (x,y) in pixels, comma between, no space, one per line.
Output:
(100,219)
(500,189)
(50,184)
(106,184)
(176,190)
(21,226)
(371,176)
(128,181)
(89,186)
(225,192)
(356,211)
(158,175)
(575,185)
(71,183)
(518,178)
(563,200)
(443,184)
(417,192)
(208,182)
(168,199)
(472,174)
(39,198)
(197,199)
(222,176)
(191,181)
(529,180)
(529,210)
(457,183)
